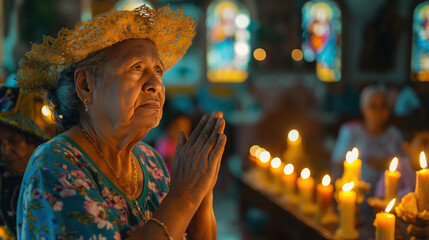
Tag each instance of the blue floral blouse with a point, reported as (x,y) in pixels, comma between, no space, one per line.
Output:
(64,195)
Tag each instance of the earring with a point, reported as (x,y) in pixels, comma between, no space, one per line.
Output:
(86,105)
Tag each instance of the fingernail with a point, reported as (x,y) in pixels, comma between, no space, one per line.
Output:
(214,114)
(205,117)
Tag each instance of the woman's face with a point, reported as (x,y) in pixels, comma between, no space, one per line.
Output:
(130,94)
(376,110)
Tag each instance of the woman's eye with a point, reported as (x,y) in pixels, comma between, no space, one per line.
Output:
(137,68)
(159,72)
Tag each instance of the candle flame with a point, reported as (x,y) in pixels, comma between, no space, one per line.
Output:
(253,150)
(350,157)
(265,156)
(423,162)
(288,170)
(390,205)
(326,180)
(293,135)
(276,162)
(348,186)
(305,173)
(393,164)
(259,151)
(355,151)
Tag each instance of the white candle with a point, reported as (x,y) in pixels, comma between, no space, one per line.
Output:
(352,166)
(294,153)
(252,157)
(385,224)
(305,188)
(289,179)
(324,194)
(422,185)
(391,178)
(276,171)
(347,210)
(264,160)
(293,137)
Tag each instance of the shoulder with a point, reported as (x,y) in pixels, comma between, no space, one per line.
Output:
(59,153)
(57,160)
(352,126)
(351,130)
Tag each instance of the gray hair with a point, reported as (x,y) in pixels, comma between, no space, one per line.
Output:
(370,90)
(67,106)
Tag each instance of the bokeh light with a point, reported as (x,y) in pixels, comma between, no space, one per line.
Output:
(259,54)
(297,55)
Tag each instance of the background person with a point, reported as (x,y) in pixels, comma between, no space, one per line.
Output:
(19,137)
(377,140)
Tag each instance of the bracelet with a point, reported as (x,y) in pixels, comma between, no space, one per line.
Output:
(162,225)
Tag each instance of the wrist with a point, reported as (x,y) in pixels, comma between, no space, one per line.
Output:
(186,203)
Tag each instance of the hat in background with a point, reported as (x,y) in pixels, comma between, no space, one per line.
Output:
(17,109)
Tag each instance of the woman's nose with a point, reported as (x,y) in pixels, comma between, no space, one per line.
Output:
(153,85)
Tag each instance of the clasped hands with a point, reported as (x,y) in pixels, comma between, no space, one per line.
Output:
(197,159)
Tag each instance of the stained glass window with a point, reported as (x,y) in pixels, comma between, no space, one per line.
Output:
(131,4)
(321,25)
(420,47)
(228,41)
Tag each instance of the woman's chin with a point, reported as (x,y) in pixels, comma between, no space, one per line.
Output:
(145,122)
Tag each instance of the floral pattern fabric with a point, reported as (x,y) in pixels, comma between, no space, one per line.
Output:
(64,195)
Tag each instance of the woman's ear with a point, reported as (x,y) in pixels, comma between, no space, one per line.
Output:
(83,84)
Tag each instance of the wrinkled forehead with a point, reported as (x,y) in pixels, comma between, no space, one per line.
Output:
(133,49)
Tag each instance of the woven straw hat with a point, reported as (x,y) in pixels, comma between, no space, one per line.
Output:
(170,31)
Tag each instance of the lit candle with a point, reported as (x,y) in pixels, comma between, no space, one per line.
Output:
(293,137)
(305,188)
(289,180)
(276,166)
(259,151)
(352,166)
(264,160)
(347,210)
(391,178)
(276,170)
(385,224)
(252,157)
(295,152)
(324,193)
(422,185)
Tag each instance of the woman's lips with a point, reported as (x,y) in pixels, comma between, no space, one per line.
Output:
(151,105)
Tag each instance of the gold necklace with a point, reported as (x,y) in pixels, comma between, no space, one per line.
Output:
(100,153)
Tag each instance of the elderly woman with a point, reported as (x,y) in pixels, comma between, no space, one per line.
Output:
(377,140)
(97,180)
